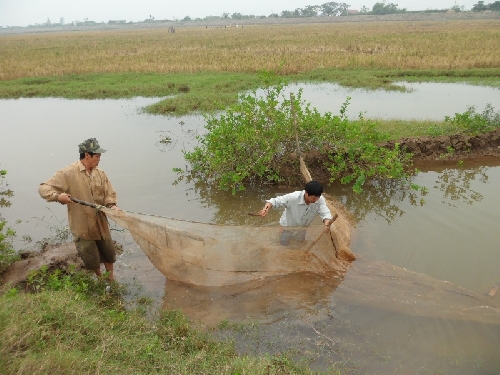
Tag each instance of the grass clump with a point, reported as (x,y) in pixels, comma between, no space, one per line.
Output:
(66,322)
(471,122)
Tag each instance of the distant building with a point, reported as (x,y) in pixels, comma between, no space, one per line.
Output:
(352,12)
(86,23)
(117,22)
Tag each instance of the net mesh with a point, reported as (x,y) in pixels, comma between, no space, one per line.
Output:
(218,255)
(222,255)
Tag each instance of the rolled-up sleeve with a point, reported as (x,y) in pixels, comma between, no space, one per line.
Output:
(50,189)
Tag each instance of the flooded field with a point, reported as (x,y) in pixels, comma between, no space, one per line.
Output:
(415,300)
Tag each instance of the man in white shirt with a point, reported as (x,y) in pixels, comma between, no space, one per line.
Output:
(301,207)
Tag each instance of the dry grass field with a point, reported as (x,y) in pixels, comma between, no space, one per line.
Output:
(288,49)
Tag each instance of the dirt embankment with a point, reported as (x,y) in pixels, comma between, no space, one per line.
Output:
(62,256)
(453,147)
(426,151)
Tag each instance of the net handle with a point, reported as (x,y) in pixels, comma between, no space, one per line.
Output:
(320,235)
(303,168)
(88,204)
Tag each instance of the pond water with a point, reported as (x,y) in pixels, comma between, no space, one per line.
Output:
(451,237)
(422,101)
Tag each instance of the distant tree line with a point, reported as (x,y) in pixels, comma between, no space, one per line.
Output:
(327,9)
(383,8)
(330,9)
(481,6)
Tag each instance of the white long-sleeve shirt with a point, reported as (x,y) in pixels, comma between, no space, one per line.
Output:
(297,212)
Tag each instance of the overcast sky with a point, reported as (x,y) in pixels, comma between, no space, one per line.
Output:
(30,12)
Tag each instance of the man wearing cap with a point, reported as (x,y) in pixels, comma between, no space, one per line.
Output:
(85,181)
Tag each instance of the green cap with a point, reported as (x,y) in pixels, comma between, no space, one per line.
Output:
(90,145)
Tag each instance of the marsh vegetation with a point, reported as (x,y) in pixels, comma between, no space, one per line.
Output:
(204,68)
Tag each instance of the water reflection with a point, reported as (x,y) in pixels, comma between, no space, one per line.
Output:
(382,198)
(459,181)
(229,209)
(262,300)
(456,184)
(385,198)
(388,199)
(5,192)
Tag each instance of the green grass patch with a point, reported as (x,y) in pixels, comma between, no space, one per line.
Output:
(397,129)
(66,322)
(7,253)
(210,92)
(385,79)
(183,93)
(470,122)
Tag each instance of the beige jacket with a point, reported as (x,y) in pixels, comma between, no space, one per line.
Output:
(84,222)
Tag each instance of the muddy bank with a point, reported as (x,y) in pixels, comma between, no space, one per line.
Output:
(453,147)
(59,256)
(426,151)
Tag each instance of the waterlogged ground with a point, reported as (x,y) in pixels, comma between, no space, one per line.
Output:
(414,301)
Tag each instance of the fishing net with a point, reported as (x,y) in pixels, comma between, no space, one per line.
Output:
(218,255)
(221,255)
(375,289)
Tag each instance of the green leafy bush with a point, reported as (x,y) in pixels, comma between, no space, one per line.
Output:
(471,122)
(7,253)
(255,140)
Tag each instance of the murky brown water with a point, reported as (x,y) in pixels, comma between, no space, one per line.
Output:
(408,305)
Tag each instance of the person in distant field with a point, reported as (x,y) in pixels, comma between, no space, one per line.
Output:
(90,229)
(301,207)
